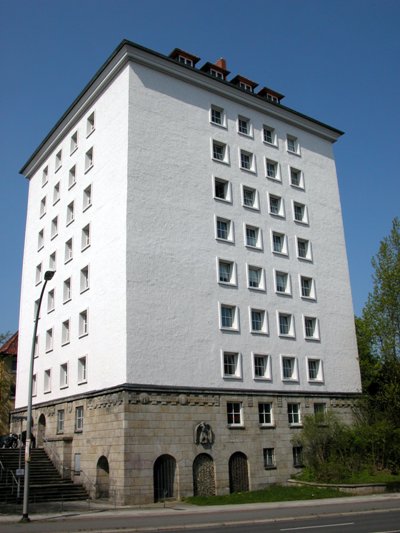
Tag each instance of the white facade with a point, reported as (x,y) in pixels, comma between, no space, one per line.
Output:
(156,308)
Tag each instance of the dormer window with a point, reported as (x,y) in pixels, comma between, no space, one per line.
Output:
(271,95)
(245,86)
(216,74)
(185,61)
(184,57)
(216,70)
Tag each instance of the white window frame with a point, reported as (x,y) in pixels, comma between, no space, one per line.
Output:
(294,413)
(58,161)
(313,294)
(227,189)
(47,381)
(65,332)
(68,253)
(258,239)
(294,377)
(218,109)
(40,239)
(34,385)
(249,127)
(60,421)
(273,141)
(49,340)
(235,410)
(54,228)
(237,363)
(235,317)
(85,237)
(73,143)
(67,290)
(64,376)
(288,288)
(89,159)
(252,161)
(262,413)
(70,213)
(264,325)
(261,286)
(308,257)
(292,139)
(53,261)
(45,176)
(291,332)
(256,204)
(87,197)
(277,172)
(284,250)
(82,369)
(83,323)
(84,279)
(281,210)
(304,220)
(225,152)
(71,177)
(320,373)
(230,230)
(43,207)
(50,300)
(56,193)
(267,376)
(233,278)
(316,335)
(79,418)
(38,274)
(90,124)
(301,176)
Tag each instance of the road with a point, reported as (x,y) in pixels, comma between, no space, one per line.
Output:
(361,515)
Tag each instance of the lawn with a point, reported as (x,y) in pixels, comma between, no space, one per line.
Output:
(274,493)
(364,476)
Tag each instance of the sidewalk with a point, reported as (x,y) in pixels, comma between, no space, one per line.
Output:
(56,510)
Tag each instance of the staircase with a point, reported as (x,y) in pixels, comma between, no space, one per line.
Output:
(45,483)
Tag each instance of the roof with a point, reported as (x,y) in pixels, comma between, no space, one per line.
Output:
(10,347)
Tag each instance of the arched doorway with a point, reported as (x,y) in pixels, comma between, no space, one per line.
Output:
(164,477)
(238,473)
(41,431)
(103,478)
(203,475)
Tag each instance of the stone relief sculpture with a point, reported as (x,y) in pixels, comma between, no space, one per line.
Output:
(203,434)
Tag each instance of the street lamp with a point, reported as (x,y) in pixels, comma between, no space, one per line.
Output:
(48,275)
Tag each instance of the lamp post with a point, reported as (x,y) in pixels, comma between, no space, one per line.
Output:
(48,275)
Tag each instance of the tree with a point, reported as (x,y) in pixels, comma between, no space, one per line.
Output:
(6,380)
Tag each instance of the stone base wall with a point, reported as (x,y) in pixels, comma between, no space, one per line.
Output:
(129,434)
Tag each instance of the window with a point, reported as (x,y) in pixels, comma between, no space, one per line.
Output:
(68,251)
(276,205)
(269,135)
(226,272)
(282,283)
(253,237)
(307,287)
(231,365)
(40,239)
(285,325)
(79,418)
(269,458)
(265,414)
(36,349)
(70,213)
(247,161)
(272,169)
(216,74)
(297,456)
(314,367)
(89,159)
(84,281)
(50,301)
(83,323)
(311,329)
(54,227)
(185,61)
(43,206)
(292,144)
(258,321)
(67,290)
(222,190)
(85,241)
(60,420)
(300,213)
(245,86)
(217,116)
(72,177)
(45,176)
(296,178)
(34,385)
(289,368)
(74,142)
(219,152)
(90,124)
(279,243)
(56,193)
(262,366)
(234,413)
(52,261)
(87,197)
(77,464)
(58,160)
(304,249)
(224,229)
(293,410)
(255,277)
(319,409)
(47,381)
(38,276)
(64,376)
(65,333)
(244,126)
(229,317)
(82,370)
(250,197)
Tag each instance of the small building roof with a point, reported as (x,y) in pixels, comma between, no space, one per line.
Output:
(10,347)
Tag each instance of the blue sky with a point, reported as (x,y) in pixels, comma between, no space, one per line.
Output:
(337,61)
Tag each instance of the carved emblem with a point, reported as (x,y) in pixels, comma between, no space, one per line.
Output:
(203,434)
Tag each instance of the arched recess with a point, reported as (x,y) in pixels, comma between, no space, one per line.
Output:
(238,473)
(41,431)
(103,477)
(164,477)
(203,475)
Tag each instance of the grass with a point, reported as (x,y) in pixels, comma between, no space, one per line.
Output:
(274,493)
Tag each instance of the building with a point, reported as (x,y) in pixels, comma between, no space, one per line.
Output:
(8,370)
(201,304)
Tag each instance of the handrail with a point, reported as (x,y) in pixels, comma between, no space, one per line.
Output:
(2,469)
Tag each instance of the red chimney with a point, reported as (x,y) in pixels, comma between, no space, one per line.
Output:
(221,63)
